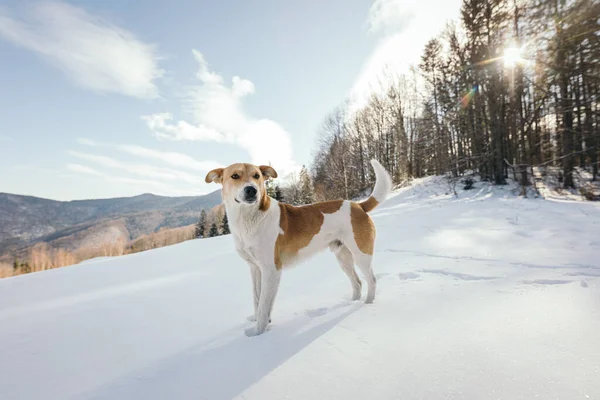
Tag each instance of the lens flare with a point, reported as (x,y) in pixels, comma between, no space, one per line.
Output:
(512,56)
(467,97)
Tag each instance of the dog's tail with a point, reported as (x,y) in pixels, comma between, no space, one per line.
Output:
(382,189)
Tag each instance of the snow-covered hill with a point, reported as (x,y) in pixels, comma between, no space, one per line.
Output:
(487,296)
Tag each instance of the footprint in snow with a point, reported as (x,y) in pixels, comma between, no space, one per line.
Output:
(408,275)
(317,312)
(524,234)
(547,282)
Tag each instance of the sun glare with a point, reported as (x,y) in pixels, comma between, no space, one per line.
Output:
(512,56)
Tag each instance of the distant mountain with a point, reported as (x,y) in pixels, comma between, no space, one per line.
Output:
(25,220)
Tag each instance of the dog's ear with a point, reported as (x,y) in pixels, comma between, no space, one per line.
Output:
(268,171)
(216,176)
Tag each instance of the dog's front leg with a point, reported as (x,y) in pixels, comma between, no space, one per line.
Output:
(256,284)
(269,284)
(256,278)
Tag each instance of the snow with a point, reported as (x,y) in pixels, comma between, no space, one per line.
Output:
(550,187)
(484,296)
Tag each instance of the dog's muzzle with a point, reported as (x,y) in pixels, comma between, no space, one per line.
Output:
(250,194)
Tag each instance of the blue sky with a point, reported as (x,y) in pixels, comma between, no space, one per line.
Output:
(113,98)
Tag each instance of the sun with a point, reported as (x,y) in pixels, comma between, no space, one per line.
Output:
(512,56)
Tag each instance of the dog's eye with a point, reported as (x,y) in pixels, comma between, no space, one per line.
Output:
(256,176)
(235,176)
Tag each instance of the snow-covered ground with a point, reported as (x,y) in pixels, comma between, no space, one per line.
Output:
(487,296)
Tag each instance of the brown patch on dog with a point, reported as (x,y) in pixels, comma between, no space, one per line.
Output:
(369,204)
(265,201)
(363,227)
(299,225)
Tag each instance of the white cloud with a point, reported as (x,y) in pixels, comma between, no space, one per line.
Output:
(169,181)
(144,170)
(88,142)
(169,157)
(405,27)
(217,113)
(174,159)
(203,73)
(241,87)
(390,15)
(160,124)
(146,184)
(83,169)
(4,138)
(94,53)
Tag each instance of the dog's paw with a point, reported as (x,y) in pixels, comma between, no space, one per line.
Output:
(250,332)
(255,331)
(252,318)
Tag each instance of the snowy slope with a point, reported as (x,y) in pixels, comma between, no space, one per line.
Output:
(487,296)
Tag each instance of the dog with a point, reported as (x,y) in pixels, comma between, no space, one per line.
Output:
(270,235)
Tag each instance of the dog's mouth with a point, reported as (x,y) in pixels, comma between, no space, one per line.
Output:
(246,201)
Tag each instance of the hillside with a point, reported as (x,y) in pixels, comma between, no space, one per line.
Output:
(25,219)
(483,296)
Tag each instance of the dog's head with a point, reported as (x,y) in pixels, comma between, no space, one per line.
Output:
(243,184)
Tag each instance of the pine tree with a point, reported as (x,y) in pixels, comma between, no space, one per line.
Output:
(270,186)
(200,225)
(278,193)
(225,227)
(306,188)
(273,190)
(25,267)
(213,231)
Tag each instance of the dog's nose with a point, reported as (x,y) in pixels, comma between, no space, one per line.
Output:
(250,191)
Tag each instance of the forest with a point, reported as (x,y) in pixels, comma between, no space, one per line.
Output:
(511,90)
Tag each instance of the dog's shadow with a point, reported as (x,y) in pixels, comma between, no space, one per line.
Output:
(321,311)
(226,366)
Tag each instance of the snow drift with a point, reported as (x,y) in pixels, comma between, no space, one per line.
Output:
(481,296)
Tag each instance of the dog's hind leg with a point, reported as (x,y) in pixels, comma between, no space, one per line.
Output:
(346,261)
(364,263)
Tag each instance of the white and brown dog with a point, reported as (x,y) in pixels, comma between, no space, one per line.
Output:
(270,235)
